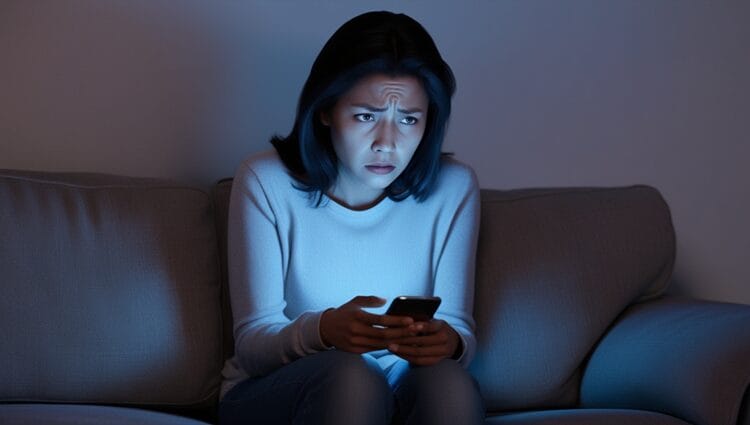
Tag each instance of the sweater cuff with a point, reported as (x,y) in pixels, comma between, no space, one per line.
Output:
(309,340)
(461,350)
(313,339)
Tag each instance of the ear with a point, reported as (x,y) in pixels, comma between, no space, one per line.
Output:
(325,118)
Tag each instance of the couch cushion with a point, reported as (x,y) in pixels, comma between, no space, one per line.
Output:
(110,291)
(554,269)
(51,414)
(684,357)
(585,417)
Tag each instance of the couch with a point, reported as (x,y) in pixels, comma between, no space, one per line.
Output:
(114,308)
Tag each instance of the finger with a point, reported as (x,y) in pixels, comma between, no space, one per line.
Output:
(380,333)
(355,349)
(399,333)
(422,340)
(434,325)
(391,320)
(369,343)
(361,343)
(384,320)
(367,301)
(365,330)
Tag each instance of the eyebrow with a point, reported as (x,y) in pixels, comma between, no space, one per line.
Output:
(376,109)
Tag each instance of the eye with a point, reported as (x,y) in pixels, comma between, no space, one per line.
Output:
(409,120)
(364,117)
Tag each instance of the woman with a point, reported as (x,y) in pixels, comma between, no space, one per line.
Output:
(356,200)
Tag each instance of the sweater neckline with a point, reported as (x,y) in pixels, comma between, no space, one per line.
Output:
(374,212)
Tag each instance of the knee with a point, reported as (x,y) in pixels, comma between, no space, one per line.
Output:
(349,386)
(442,392)
(442,379)
(351,376)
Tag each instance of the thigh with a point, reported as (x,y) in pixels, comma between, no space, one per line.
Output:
(444,393)
(266,399)
(320,388)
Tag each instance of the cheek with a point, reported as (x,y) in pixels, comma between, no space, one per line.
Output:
(416,134)
(350,133)
(414,140)
(347,143)
(341,136)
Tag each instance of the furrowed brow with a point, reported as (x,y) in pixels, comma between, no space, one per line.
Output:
(369,107)
(376,109)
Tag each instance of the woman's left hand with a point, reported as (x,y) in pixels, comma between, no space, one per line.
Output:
(437,341)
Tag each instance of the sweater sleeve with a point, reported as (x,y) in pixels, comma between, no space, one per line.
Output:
(454,276)
(265,339)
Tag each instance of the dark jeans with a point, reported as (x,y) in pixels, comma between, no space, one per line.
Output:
(335,387)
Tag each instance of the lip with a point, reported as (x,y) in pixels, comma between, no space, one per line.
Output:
(380,168)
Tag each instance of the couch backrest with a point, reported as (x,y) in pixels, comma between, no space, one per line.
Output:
(554,269)
(110,291)
(111,287)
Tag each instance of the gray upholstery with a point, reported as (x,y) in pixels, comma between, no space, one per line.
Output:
(60,414)
(112,296)
(554,269)
(110,291)
(663,353)
(585,417)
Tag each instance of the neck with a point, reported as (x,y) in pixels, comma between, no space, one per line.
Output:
(356,205)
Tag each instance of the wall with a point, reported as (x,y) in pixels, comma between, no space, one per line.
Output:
(550,93)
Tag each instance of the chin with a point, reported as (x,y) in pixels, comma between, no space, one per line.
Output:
(382,184)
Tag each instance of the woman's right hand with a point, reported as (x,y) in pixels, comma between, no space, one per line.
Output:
(349,328)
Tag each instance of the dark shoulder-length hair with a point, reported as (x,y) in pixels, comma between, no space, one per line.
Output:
(371,43)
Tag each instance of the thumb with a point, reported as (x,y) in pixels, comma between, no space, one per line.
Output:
(368,301)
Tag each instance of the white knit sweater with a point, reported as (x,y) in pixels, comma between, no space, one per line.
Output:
(289,261)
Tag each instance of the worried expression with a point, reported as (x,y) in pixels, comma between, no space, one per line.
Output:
(375,128)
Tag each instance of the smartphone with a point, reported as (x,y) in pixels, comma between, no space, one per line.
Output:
(420,309)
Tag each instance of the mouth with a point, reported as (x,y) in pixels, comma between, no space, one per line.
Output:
(380,168)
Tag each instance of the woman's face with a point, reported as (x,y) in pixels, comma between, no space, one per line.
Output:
(375,128)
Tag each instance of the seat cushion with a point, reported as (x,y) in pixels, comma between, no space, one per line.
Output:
(585,417)
(554,269)
(681,356)
(110,291)
(59,414)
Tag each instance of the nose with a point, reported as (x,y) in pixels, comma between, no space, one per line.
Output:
(385,137)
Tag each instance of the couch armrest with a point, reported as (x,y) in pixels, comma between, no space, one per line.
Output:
(686,358)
